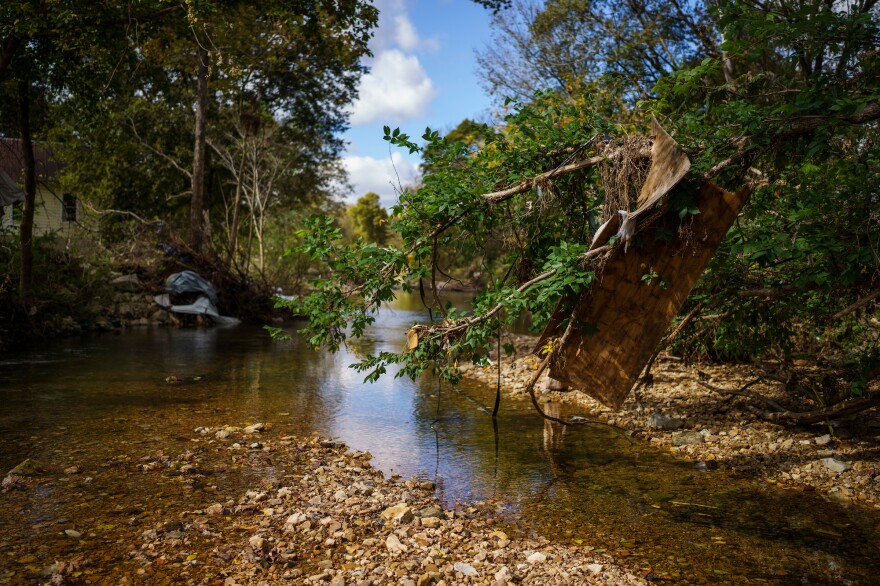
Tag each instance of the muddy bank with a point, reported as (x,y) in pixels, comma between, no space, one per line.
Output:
(323,515)
(716,431)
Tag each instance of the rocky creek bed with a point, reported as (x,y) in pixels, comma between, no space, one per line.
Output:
(840,460)
(323,515)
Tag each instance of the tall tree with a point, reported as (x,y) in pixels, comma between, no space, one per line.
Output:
(369,219)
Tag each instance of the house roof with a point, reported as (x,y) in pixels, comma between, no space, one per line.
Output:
(12,160)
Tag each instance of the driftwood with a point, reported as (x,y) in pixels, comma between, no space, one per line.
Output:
(782,415)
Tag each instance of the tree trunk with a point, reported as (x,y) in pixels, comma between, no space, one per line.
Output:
(198,211)
(26,277)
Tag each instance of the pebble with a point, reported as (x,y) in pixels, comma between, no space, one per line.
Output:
(465,568)
(536,558)
(836,465)
(665,422)
(687,438)
(72,533)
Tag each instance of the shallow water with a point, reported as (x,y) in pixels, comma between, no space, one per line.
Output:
(100,400)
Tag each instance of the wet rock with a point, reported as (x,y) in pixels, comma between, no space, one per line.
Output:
(14,482)
(26,468)
(431,512)
(687,438)
(664,422)
(835,465)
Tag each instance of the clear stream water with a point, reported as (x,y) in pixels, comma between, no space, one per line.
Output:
(91,400)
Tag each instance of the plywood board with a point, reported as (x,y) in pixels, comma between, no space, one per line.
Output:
(622,317)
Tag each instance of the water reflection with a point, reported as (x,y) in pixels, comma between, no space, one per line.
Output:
(90,400)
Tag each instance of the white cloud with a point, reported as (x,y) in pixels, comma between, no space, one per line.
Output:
(405,33)
(381,176)
(395,89)
(396,29)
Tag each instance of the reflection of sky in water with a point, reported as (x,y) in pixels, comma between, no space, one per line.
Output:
(89,394)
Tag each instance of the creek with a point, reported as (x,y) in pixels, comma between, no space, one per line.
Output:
(96,401)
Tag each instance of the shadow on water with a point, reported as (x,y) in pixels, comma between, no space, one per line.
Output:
(92,400)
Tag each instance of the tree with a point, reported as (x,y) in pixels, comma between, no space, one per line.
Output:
(295,67)
(47,48)
(787,104)
(369,219)
(619,49)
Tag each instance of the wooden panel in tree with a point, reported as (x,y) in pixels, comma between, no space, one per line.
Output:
(624,315)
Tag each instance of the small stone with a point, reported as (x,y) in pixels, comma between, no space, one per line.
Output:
(594,568)
(222,434)
(339,580)
(393,544)
(255,428)
(401,514)
(536,558)
(26,468)
(431,512)
(835,465)
(294,520)
(257,543)
(823,440)
(503,576)
(664,422)
(465,568)
(427,579)
(686,438)
(72,533)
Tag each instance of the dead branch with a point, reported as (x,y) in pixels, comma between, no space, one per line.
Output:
(532,183)
(781,415)
(744,392)
(857,305)
(108,212)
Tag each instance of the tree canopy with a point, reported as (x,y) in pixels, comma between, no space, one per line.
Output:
(782,97)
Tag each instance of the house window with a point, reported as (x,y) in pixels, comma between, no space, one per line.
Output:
(68,208)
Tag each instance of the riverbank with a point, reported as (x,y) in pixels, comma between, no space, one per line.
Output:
(717,431)
(322,515)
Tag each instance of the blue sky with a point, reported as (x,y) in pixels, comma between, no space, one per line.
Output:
(422,73)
